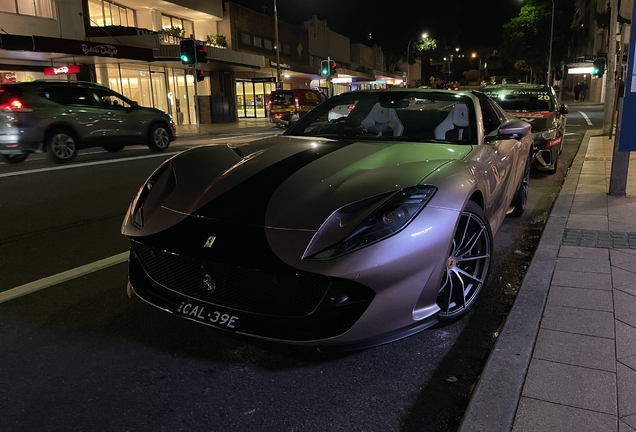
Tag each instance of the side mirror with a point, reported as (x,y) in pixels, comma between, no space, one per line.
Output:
(563,109)
(511,129)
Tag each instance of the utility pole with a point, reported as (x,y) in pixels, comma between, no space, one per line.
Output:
(610,85)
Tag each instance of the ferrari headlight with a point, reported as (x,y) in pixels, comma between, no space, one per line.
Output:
(546,135)
(384,221)
(150,196)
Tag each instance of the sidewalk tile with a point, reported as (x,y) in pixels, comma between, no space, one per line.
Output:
(630,362)
(584,252)
(623,279)
(630,320)
(625,340)
(629,420)
(624,427)
(623,256)
(626,382)
(589,222)
(535,415)
(581,298)
(577,350)
(580,279)
(580,321)
(583,265)
(624,304)
(571,385)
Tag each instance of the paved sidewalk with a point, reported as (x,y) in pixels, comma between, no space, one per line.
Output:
(242,125)
(566,357)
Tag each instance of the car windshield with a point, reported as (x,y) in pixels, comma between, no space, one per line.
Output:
(419,115)
(282,98)
(523,100)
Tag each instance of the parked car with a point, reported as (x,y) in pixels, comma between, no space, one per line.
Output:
(337,234)
(61,117)
(451,86)
(538,105)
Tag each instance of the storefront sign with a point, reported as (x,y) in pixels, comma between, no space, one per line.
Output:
(16,42)
(62,70)
(265,79)
(273,64)
(81,47)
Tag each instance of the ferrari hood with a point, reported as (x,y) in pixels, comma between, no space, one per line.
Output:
(297,182)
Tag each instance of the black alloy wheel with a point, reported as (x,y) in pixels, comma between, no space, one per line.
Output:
(158,137)
(521,197)
(15,158)
(61,146)
(468,264)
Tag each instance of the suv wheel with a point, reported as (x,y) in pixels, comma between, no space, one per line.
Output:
(61,146)
(15,158)
(158,137)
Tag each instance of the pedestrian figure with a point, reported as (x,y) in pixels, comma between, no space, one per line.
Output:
(583,91)
(577,90)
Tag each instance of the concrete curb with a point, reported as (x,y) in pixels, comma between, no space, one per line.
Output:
(494,402)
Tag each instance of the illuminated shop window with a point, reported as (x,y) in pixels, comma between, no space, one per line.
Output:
(39,8)
(168,21)
(104,13)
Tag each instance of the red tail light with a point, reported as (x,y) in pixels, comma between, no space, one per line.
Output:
(15,105)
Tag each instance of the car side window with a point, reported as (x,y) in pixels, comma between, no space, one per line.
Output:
(67,95)
(492,117)
(110,100)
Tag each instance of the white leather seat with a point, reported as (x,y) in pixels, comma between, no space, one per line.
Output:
(455,125)
(382,121)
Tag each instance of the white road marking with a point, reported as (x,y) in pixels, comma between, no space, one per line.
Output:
(587,119)
(84,164)
(63,277)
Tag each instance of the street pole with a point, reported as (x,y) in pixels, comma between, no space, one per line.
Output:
(610,85)
(408,50)
(549,81)
(277,45)
(194,80)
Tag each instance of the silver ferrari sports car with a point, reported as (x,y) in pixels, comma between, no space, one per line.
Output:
(339,234)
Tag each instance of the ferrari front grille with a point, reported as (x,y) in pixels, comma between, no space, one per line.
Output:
(287,295)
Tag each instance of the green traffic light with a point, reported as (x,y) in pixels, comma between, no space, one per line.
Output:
(184,57)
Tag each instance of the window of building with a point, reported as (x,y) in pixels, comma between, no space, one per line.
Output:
(105,13)
(286,49)
(168,21)
(268,45)
(39,8)
(246,39)
(258,42)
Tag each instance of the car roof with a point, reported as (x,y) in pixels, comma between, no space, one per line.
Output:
(503,87)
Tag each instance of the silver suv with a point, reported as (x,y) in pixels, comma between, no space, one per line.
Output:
(60,117)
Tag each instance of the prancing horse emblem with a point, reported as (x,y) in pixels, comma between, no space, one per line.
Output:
(209,242)
(209,283)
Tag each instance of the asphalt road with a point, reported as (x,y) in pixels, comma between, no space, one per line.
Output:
(81,356)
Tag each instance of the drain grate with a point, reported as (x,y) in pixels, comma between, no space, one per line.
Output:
(599,239)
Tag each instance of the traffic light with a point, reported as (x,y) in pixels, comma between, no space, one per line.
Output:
(332,67)
(599,67)
(324,68)
(200,74)
(202,52)
(188,51)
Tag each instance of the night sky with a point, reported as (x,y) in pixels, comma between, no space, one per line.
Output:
(471,24)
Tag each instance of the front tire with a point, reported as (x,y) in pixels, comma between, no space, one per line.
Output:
(521,197)
(61,145)
(158,137)
(15,158)
(468,264)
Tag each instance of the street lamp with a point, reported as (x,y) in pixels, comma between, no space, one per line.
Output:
(478,67)
(408,50)
(549,82)
(277,44)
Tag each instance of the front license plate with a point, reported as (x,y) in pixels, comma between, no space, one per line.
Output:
(209,314)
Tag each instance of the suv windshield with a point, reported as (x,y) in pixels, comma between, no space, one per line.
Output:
(420,115)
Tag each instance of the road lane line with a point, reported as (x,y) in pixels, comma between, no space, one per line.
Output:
(587,119)
(49,281)
(85,164)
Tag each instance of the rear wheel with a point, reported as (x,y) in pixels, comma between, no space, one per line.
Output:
(158,137)
(468,264)
(114,148)
(61,145)
(15,158)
